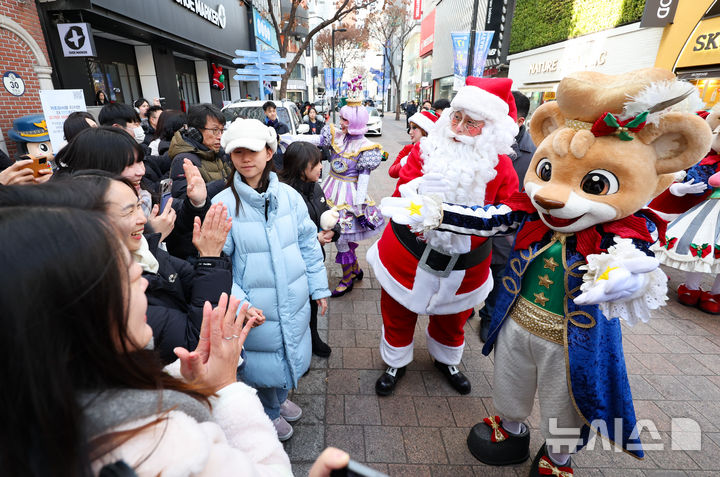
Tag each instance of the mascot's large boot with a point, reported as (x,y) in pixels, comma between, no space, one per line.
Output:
(543,465)
(491,444)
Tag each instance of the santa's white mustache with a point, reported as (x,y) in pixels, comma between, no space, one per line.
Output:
(470,141)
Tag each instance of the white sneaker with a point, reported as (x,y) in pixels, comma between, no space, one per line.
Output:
(290,411)
(283,429)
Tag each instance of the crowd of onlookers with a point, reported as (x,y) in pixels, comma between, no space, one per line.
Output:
(160,292)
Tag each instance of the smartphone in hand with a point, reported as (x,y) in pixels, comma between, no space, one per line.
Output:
(165,192)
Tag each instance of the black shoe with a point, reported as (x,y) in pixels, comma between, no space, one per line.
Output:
(386,382)
(456,379)
(484,328)
(508,449)
(548,465)
(319,348)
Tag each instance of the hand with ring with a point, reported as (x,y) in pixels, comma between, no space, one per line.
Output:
(213,364)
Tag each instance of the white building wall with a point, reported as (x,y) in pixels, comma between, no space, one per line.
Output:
(203,81)
(615,51)
(146,71)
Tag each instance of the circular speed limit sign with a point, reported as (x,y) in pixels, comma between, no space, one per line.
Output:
(13,83)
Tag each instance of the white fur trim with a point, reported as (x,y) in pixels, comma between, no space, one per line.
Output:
(395,356)
(431,295)
(479,104)
(422,121)
(451,355)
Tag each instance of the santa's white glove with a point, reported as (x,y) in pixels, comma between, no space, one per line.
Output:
(679,189)
(433,183)
(618,283)
(420,212)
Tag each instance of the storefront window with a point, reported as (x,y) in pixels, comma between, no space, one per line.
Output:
(187,86)
(298,73)
(709,90)
(119,81)
(444,88)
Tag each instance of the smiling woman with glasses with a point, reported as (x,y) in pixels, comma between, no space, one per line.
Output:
(201,144)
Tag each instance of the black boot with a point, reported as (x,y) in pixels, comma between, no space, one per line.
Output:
(491,444)
(456,379)
(542,461)
(319,348)
(386,382)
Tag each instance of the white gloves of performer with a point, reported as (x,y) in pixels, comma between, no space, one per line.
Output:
(619,282)
(420,212)
(624,282)
(433,183)
(680,189)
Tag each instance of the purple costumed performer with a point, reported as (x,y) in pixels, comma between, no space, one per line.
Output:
(353,158)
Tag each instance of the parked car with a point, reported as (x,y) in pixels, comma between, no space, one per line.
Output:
(374,123)
(286,110)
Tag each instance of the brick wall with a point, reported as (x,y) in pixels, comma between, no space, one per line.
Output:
(16,55)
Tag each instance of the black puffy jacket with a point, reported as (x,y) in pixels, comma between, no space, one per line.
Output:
(314,198)
(176,295)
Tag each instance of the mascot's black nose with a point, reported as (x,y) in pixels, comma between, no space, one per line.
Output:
(548,204)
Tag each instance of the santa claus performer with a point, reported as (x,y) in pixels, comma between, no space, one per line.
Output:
(443,274)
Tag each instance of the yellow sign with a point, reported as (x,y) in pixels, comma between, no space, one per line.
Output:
(703,46)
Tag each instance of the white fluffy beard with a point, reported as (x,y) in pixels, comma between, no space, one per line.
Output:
(467,164)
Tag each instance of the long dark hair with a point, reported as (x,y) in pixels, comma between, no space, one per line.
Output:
(262,185)
(76,122)
(64,324)
(169,122)
(298,156)
(108,148)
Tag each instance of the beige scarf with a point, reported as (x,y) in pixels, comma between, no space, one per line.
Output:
(145,258)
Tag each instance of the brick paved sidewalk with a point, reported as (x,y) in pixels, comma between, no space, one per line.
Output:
(673,361)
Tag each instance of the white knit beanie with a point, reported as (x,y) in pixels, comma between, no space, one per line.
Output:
(249,134)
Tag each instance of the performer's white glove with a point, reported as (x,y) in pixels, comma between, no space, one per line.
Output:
(420,212)
(433,183)
(618,283)
(679,189)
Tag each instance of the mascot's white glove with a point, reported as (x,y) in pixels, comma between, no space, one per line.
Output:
(420,212)
(679,189)
(625,282)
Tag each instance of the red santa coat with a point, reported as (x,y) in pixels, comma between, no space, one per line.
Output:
(419,290)
(394,170)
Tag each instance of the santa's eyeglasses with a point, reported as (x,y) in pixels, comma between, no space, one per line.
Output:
(471,126)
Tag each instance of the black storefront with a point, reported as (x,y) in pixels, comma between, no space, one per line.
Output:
(150,47)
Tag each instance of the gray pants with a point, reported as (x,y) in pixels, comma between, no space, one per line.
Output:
(523,363)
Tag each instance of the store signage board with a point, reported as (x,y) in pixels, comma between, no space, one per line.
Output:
(13,83)
(495,21)
(216,16)
(76,39)
(417,10)
(658,13)
(264,31)
(427,33)
(703,46)
(57,104)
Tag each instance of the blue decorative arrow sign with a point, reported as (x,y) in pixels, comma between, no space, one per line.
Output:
(260,66)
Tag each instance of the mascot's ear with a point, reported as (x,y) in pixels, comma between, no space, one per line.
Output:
(546,119)
(680,141)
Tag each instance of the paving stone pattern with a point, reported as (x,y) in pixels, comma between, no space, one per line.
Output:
(673,362)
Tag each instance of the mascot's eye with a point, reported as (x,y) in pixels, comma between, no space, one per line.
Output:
(599,182)
(544,169)
(43,147)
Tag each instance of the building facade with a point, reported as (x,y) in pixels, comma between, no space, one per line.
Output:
(24,65)
(160,49)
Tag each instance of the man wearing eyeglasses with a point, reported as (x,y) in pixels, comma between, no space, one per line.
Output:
(442,274)
(200,143)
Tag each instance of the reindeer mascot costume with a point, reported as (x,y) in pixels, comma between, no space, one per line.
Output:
(581,259)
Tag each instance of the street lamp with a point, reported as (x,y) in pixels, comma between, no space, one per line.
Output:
(332,99)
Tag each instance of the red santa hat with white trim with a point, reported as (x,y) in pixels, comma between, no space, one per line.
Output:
(486,99)
(425,120)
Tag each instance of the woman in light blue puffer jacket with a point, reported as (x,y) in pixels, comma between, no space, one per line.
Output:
(277,264)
